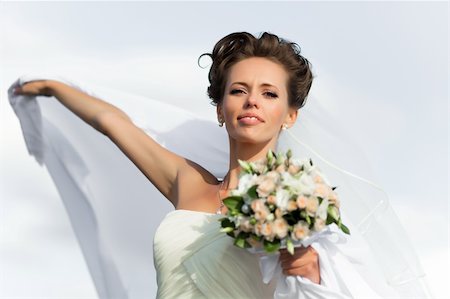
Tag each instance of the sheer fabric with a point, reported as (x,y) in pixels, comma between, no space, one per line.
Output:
(111,204)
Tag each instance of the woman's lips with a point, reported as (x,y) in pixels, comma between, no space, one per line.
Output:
(249,120)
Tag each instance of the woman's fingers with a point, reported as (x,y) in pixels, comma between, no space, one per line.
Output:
(37,87)
(304,262)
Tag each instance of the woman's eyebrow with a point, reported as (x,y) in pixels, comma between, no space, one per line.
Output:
(262,84)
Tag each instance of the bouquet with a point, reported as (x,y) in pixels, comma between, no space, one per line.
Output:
(280,201)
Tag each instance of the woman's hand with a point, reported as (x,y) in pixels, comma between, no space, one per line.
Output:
(304,262)
(38,87)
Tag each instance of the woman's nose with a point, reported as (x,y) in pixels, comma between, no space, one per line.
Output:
(252,100)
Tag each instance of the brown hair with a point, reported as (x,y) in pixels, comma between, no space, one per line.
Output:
(238,46)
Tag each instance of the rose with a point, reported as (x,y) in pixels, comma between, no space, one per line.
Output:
(245,182)
(300,231)
(334,199)
(260,209)
(246,226)
(292,205)
(322,190)
(266,184)
(282,197)
(311,205)
(301,201)
(268,231)
(280,227)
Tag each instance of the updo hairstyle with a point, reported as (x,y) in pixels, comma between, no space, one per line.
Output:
(238,46)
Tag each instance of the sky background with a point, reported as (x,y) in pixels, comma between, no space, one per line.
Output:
(383,65)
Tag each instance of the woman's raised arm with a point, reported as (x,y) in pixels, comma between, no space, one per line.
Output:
(158,164)
(87,107)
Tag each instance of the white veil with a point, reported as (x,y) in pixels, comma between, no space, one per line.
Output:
(115,210)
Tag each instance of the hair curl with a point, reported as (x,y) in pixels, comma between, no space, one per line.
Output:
(238,46)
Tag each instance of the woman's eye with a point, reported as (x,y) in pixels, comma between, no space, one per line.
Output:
(234,91)
(271,94)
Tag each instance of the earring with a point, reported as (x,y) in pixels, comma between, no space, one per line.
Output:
(221,122)
(284,127)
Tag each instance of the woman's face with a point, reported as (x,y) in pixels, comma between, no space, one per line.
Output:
(255,101)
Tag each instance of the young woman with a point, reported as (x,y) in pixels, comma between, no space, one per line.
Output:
(258,85)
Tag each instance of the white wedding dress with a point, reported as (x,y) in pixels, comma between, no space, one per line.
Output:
(115,211)
(194,260)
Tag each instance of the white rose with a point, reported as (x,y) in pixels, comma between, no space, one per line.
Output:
(322,209)
(245,182)
(306,184)
(282,199)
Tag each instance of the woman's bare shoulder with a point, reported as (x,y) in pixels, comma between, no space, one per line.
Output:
(195,187)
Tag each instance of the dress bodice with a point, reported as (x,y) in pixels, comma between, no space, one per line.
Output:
(193,259)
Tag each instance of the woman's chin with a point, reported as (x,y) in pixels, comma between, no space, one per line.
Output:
(246,137)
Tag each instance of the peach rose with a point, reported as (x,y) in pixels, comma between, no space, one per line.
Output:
(278,213)
(301,201)
(292,205)
(272,199)
(280,227)
(318,179)
(262,214)
(293,169)
(257,204)
(311,205)
(257,229)
(245,225)
(268,231)
(266,186)
(333,199)
(322,190)
(300,231)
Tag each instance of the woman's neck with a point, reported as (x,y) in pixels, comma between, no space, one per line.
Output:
(245,152)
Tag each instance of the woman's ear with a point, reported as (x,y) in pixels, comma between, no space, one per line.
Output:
(220,117)
(291,117)
(219,111)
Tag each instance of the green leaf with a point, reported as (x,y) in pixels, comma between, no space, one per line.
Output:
(308,219)
(234,204)
(270,157)
(289,154)
(227,229)
(329,220)
(231,234)
(271,246)
(227,223)
(344,229)
(333,213)
(320,199)
(290,246)
(252,192)
(242,243)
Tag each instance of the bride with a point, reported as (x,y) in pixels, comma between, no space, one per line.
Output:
(257,85)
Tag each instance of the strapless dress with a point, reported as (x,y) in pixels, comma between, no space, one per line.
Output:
(193,259)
